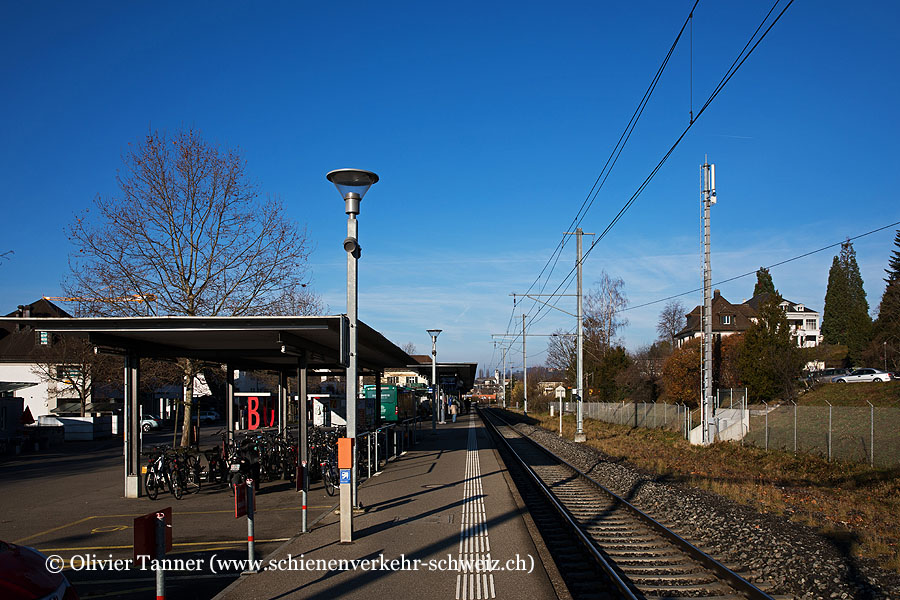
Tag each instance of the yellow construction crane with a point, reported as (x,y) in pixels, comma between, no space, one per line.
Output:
(129,298)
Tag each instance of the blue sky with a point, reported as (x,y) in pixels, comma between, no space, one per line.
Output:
(487,123)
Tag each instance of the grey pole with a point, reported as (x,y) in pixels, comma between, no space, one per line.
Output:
(708,189)
(829,429)
(579,406)
(160,554)
(435,386)
(352,185)
(524,368)
(304,440)
(504,378)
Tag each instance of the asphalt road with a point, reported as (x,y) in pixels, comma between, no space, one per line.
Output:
(68,501)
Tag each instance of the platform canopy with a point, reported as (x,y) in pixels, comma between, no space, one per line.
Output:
(248,343)
(462,373)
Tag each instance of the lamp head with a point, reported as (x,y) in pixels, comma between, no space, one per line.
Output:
(434,332)
(352,184)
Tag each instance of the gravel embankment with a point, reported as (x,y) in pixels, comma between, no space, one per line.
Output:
(797,560)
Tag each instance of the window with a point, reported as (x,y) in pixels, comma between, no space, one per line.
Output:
(411,380)
(44,338)
(68,373)
(393,380)
(727,319)
(810,324)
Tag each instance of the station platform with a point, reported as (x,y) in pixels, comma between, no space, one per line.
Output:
(431,521)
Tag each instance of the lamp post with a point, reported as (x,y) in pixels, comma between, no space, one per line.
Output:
(434,382)
(352,184)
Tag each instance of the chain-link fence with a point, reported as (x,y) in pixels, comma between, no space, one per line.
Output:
(639,414)
(868,434)
(850,433)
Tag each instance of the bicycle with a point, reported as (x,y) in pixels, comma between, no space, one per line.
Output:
(160,475)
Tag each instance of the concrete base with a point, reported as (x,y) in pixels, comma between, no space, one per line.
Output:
(580,437)
(132,486)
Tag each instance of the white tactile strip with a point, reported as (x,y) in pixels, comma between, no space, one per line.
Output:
(472,581)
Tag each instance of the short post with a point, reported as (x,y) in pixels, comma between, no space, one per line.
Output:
(160,554)
(377,464)
(345,465)
(829,429)
(251,500)
(304,485)
(795,426)
(766,412)
(871,433)
(369,447)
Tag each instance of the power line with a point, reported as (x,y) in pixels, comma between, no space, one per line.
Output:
(741,58)
(588,202)
(772,266)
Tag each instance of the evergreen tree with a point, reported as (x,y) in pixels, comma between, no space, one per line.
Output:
(764,282)
(769,361)
(846,316)
(893,272)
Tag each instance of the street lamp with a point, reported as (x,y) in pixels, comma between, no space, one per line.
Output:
(352,184)
(434,382)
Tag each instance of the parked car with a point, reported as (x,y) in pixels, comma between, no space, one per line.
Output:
(150,422)
(208,416)
(859,375)
(827,375)
(24,575)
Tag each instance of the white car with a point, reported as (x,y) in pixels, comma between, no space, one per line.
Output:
(209,416)
(858,375)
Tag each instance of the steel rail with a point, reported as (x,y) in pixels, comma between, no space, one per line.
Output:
(740,584)
(567,515)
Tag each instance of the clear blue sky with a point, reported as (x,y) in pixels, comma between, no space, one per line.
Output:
(488,123)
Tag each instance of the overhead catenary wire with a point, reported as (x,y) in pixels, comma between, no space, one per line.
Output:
(587,203)
(739,60)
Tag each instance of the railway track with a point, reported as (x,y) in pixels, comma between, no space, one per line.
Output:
(635,556)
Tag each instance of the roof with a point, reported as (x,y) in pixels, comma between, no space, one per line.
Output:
(464,372)
(16,342)
(756,301)
(742,313)
(265,343)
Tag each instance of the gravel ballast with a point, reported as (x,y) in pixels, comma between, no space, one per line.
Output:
(796,560)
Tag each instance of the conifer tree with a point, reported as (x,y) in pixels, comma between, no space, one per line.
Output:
(764,282)
(893,270)
(769,361)
(846,316)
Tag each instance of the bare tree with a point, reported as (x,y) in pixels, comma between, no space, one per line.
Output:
(409,348)
(561,354)
(671,320)
(72,364)
(298,302)
(603,312)
(188,234)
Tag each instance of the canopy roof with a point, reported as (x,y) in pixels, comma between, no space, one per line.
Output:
(265,343)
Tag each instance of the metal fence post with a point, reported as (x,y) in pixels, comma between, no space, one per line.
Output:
(829,429)
(369,448)
(766,412)
(795,425)
(871,433)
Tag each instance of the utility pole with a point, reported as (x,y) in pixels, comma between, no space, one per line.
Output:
(524,367)
(579,384)
(708,189)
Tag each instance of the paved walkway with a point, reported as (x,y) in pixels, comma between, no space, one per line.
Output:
(440,505)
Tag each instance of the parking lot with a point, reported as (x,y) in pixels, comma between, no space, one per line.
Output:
(68,501)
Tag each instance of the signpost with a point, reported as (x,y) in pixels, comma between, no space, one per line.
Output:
(244,505)
(153,538)
(560,394)
(345,465)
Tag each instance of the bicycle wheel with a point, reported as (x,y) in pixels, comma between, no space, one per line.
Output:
(192,474)
(176,483)
(151,483)
(329,478)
